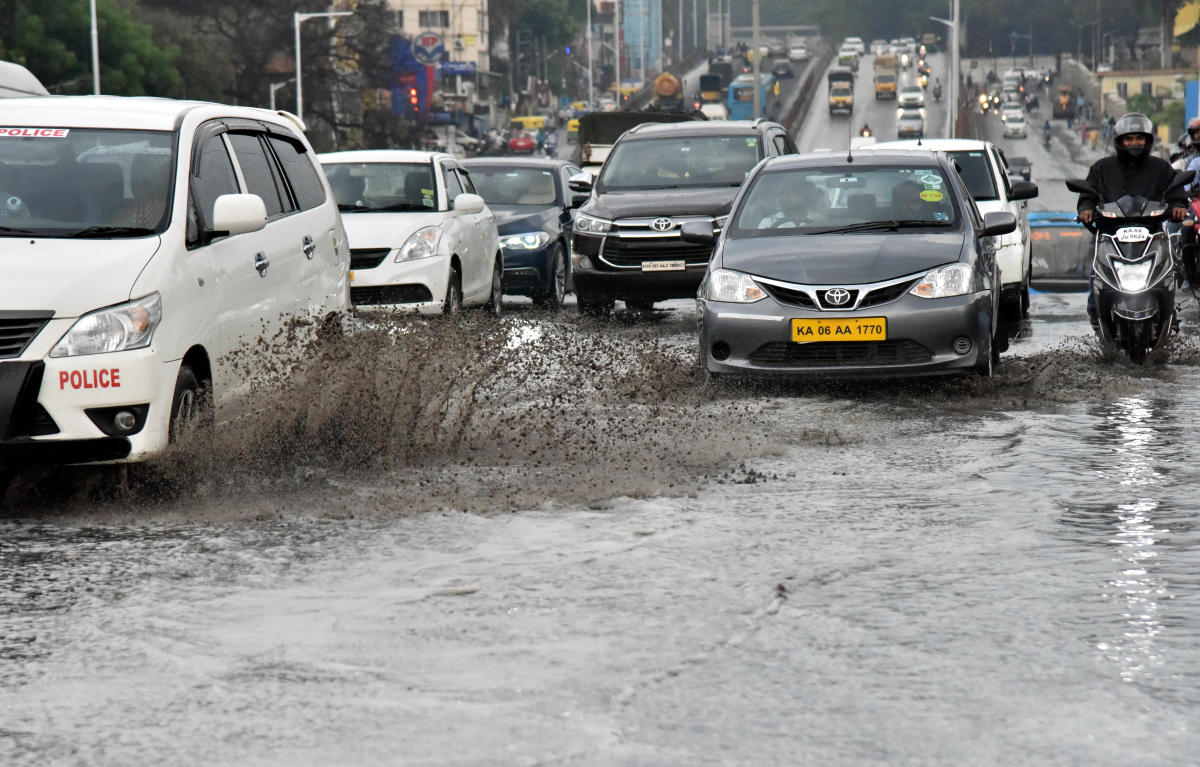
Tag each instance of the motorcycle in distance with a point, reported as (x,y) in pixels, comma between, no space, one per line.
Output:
(937,92)
(1135,272)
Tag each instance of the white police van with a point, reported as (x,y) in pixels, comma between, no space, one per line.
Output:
(142,243)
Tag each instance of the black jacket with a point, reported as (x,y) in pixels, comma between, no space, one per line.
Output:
(1114,179)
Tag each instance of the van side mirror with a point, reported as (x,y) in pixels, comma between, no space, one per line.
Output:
(997,223)
(237,214)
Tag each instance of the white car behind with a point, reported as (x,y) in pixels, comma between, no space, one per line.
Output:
(911,96)
(420,237)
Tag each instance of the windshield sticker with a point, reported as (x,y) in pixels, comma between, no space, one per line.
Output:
(931,179)
(940,216)
(751,142)
(931,195)
(35,132)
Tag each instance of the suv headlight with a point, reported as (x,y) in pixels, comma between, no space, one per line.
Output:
(115,329)
(732,287)
(591,225)
(422,243)
(524,241)
(944,282)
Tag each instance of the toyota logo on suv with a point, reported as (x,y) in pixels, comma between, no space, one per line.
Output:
(662,224)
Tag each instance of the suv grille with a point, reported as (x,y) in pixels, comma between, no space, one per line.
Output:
(631,253)
(17,329)
(841,353)
(367,258)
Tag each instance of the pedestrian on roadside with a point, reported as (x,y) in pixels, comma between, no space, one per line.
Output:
(1070,118)
(1093,137)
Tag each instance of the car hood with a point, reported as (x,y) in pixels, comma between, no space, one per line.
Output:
(386,230)
(71,277)
(515,219)
(840,259)
(695,201)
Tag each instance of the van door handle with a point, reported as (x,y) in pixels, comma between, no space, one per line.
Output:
(261,263)
(310,247)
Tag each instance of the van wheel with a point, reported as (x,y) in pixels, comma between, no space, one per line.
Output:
(191,406)
(452,304)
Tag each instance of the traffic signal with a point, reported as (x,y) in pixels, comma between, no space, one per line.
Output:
(414,99)
(567,49)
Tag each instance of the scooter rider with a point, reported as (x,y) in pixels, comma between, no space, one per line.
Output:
(1132,171)
(865,130)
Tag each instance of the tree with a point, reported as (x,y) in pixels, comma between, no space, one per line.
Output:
(53,39)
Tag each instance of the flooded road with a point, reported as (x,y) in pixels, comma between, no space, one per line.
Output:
(642,571)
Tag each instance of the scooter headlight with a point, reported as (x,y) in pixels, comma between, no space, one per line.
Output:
(1133,277)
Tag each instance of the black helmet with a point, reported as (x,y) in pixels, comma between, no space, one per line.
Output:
(1132,123)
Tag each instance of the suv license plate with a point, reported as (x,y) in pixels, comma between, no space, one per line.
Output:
(664,266)
(859,329)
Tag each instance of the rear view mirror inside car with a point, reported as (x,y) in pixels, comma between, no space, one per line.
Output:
(844,182)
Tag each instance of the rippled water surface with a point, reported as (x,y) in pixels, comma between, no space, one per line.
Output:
(631,568)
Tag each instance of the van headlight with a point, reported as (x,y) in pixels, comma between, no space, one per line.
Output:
(524,241)
(1133,277)
(591,225)
(944,282)
(422,243)
(732,287)
(115,329)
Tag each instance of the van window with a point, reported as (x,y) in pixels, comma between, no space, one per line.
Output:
(298,167)
(214,177)
(260,173)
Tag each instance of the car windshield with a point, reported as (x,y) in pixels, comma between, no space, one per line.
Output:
(673,162)
(514,186)
(976,171)
(822,200)
(81,182)
(382,186)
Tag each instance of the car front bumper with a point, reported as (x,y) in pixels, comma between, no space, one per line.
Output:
(921,338)
(416,286)
(528,271)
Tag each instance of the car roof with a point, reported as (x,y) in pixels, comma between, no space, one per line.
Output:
(123,112)
(936,144)
(511,162)
(382,155)
(697,128)
(890,156)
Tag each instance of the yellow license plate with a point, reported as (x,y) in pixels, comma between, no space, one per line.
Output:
(856,329)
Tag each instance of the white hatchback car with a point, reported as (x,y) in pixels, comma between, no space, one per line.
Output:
(1014,127)
(145,243)
(911,96)
(420,237)
(984,168)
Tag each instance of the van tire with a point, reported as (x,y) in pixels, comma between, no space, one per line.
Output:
(191,406)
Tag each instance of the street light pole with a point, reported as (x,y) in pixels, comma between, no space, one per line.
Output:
(277,86)
(757,63)
(297,19)
(952,22)
(591,99)
(617,45)
(95,52)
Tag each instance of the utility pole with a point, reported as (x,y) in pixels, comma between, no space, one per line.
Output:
(591,99)
(757,64)
(679,37)
(617,47)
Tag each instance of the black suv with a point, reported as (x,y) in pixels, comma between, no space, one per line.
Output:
(659,177)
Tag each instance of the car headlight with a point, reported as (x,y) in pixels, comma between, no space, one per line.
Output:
(1133,277)
(732,287)
(422,243)
(115,329)
(591,225)
(525,241)
(944,282)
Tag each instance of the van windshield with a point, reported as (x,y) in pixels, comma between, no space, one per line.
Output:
(83,182)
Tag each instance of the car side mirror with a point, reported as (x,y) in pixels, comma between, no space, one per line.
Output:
(237,214)
(577,200)
(581,182)
(699,232)
(1023,190)
(468,203)
(998,222)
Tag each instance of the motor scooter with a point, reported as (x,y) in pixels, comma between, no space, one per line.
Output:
(1135,272)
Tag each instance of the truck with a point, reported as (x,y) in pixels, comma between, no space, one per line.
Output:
(887,69)
(841,91)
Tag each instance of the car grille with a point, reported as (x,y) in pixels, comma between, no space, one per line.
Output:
(841,353)
(17,329)
(376,295)
(794,296)
(632,253)
(885,294)
(788,296)
(367,258)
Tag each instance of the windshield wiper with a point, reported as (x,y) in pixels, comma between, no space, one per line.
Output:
(111,232)
(401,206)
(15,230)
(350,207)
(891,226)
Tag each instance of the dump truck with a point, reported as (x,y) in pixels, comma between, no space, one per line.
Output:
(887,69)
(841,91)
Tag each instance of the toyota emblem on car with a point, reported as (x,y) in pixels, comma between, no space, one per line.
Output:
(837,296)
(661,224)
